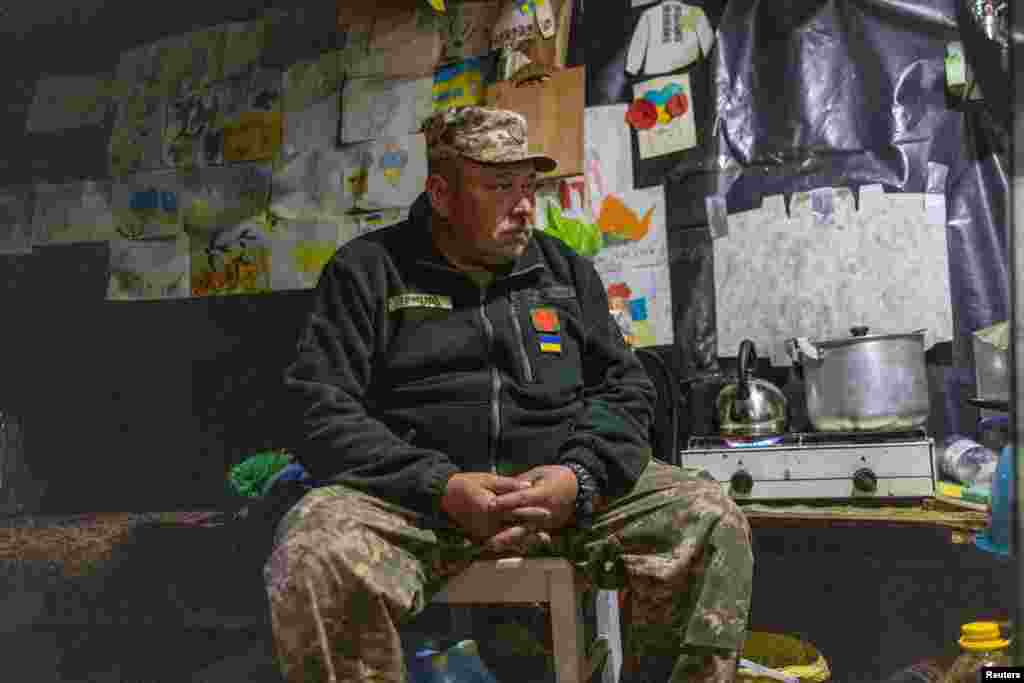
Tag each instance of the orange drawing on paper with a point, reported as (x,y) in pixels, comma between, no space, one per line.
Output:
(619,220)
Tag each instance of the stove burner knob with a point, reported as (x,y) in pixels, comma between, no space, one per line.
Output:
(741,482)
(865,481)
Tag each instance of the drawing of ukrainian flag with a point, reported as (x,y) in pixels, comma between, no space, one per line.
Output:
(459,84)
(550,343)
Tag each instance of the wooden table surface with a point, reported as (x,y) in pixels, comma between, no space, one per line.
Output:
(930,512)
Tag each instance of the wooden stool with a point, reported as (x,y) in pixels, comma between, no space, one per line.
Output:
(550,580)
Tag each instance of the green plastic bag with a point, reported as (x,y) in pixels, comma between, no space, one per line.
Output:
(251,477)
(585,238)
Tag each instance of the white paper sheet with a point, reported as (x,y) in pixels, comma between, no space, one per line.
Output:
(148,205)
(74,212)
(608,152)
(145,270)
(675,135)
(639,268)
(374,108)
(883,266)
(219,198)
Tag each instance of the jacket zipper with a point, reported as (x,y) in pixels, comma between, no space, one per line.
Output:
(495,387)
(527,368)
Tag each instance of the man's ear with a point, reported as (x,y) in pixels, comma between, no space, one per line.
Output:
(439,191)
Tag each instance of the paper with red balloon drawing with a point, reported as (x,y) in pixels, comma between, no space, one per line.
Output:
(662,114)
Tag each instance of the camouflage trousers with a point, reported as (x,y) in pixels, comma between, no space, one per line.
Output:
(348,568)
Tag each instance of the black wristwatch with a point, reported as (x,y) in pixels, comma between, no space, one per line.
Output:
(586,493)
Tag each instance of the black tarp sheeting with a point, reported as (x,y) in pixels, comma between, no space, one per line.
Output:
(816,93)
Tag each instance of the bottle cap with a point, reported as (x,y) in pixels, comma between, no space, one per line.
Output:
(982,635)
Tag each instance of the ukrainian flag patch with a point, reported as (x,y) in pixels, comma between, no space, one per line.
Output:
(550,343)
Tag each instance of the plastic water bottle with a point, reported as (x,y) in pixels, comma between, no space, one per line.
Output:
(967,461)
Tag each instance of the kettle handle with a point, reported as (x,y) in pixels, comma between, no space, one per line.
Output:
(747,358)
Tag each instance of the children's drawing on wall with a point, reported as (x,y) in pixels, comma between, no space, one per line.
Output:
(312,186)
(639,328)
(325,184)
(466,28)
(372,108)
(620,224)
(307,82)
(392,162)
(619,297)
(254,136)
(634,260)
(217,198)
(396,174)
(73,212)
(314,127)
(136,139)
(390,41)
(238,119)
(517,21)
(95,210)
(192,61)
(311,104)
(16,219)
(662,116)
(669,36)
(231,261)
(298,252)
(147,205)
(459,85)
(149,269)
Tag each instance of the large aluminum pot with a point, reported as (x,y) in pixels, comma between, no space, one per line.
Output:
(864,382)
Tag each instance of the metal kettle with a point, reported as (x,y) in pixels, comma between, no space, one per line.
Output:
(751,406)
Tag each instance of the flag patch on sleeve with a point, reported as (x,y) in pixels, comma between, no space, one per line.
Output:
(550,343)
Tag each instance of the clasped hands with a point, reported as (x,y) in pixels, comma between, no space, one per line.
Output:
(512,513)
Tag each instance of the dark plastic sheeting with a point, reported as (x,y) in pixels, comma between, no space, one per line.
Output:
(849,93)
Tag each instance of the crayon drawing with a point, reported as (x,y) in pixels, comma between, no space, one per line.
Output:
(149,269)
(231,261)
(299,250)
(372,108)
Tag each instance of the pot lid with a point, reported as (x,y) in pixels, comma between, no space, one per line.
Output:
(860,334)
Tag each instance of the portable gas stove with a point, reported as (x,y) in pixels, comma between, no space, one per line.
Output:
(819,465)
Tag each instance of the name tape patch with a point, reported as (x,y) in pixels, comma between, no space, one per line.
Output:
(419,301)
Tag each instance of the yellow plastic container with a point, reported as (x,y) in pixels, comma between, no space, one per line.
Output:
(981,644)
(786,654)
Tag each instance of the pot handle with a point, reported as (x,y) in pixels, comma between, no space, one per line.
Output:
(747,358)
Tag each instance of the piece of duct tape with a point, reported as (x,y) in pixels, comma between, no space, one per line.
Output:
(937,174)
(822,204)
(718,216)
(935,194)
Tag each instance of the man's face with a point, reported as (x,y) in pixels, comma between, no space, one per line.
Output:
(490,210)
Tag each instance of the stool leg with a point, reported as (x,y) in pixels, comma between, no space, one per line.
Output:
(566,628)
(608,626)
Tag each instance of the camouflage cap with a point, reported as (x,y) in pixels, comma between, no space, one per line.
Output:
(490,136)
